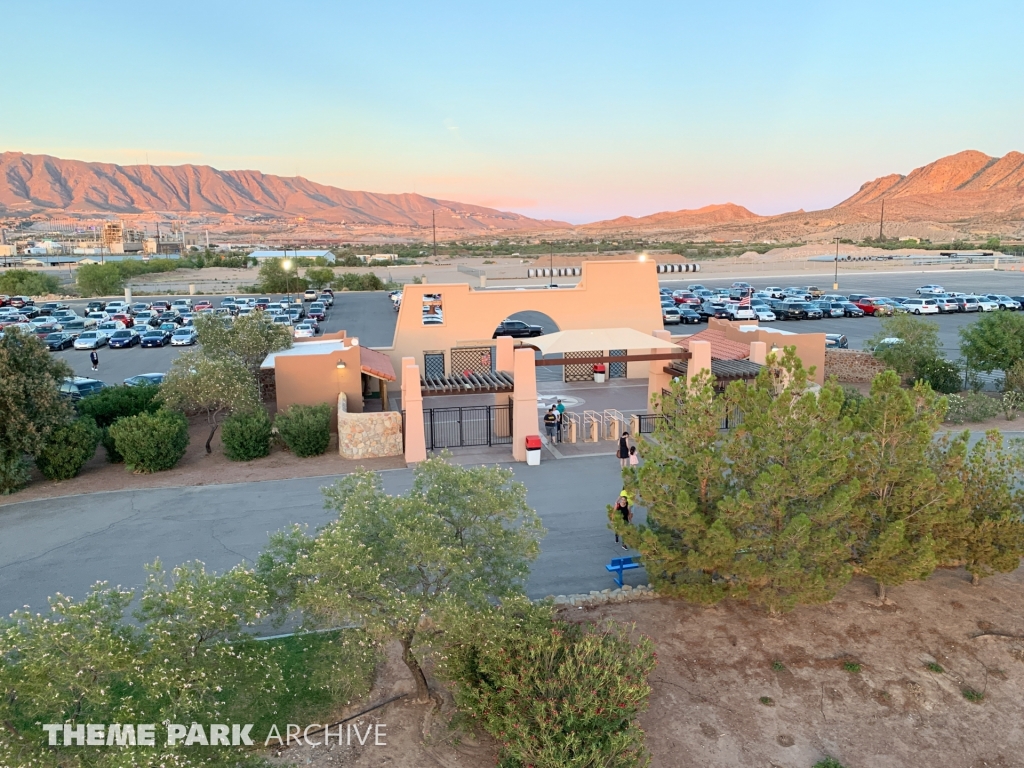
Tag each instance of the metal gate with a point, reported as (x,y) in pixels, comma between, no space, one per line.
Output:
(617,370)
(433,365)
(582,372)
(467,426)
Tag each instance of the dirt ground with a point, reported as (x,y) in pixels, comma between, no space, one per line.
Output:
(197,468)
(716,664)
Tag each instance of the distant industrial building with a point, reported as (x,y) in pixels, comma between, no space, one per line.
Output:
(259,255)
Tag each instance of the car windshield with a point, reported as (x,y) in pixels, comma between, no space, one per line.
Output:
(55,337)
(122,334)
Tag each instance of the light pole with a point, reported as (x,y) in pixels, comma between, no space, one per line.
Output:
(835,279)
(286,265)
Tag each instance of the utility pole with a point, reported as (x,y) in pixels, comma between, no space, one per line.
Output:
(551,266)
(881,223)
(433,223)
(835,280)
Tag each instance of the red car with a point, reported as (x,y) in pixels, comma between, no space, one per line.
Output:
(874,306)
(4,300)
(685,297)
(201,305)
(128,320)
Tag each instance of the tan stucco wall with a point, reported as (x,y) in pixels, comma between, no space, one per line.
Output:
(315,379)
(810,347)
(368,435)
(610,294)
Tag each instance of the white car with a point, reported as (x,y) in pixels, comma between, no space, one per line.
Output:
(98,317)
(182,305)
(304,331)
(740,313)
(775,291)
(922,306)
(90,340)
(184,337)
(116,307)
(764,315)
(986,304)
(930,289)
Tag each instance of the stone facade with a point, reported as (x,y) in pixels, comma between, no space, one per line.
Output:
(852,365)
(597,597)
(368,435)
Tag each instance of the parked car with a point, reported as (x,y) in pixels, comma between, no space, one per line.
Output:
(515,328)
(77,387)
(836,341)
(967,303)
(45,324)
(75,327)
(688,316)
(812,311)
(145,380)
(327,299)
(281,319)
(738,312)
(184,337)
(199,306)
(139,306)
(897,307)
(304,331)
(986,304)
(91,340)
(95,306)
(310,295)
(715,309)
(55,342)
(775,291)
(830,308)
(115,306)
(161,305)
(874,306)
(945,303)
(171,317)
(922,306)
(855,297)
(670,316)
(155,338)
(764,314)
(182,305)
(788,310)
(123,338)
(52,306)
(851,310)
(930,289)
(686,297)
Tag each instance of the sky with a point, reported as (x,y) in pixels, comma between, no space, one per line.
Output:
(577,111)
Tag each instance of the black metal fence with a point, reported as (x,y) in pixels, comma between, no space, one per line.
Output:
(648,422)
(467,426)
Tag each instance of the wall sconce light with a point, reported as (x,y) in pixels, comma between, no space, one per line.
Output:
(341,364)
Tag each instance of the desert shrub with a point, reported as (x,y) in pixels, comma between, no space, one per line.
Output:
(112,403)
(14,472)
(551,693)
(68,449)
(1012,402)
(828,762)
(305,429)
(852,398)
(246,436)
(971,407)
(151,442)
(940,374)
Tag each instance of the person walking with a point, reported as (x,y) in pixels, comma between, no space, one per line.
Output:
(560,408)
(94,358)
(634,460)
(621,509)
(550,423)
(623,452)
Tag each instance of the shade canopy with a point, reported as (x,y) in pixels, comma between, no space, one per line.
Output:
(590,339)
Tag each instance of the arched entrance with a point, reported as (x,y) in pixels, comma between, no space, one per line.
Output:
(532,317)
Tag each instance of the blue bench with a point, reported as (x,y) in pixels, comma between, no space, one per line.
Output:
(620,564)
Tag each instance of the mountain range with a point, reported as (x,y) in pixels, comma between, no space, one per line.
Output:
(41,183)
(965,192)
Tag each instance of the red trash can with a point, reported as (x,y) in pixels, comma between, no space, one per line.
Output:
(533,450)
(599,373)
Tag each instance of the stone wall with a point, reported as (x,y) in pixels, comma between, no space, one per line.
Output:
(368,435)
(852,365)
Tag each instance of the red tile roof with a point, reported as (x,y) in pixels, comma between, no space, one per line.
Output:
(721,347)
(376,364)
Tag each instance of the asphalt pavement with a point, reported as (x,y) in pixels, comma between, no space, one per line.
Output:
(67,544)
(369,315)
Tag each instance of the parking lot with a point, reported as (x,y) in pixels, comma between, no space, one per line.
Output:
(370,316)
(859,330)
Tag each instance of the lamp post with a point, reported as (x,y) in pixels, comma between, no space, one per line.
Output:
(835,279)
(286,265)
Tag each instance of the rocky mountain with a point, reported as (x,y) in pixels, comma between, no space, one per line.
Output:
(709,214)
(40,183)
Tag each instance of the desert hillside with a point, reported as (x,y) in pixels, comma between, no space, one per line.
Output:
(35,183)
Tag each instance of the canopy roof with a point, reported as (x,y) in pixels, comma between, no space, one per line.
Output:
(590,339)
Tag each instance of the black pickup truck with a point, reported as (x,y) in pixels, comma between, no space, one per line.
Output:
(517,329)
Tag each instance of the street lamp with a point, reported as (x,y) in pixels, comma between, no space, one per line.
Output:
(835,279)
(286,265)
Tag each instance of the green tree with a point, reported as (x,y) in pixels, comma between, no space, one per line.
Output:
(24,282)
(213,386)
(461,536)
(994,342)
(30,404)
(363,282)
(318,277)
(904,493)
(274,279)
(99,279)
(759,512)
(249,339)
(920,343)
(986,530)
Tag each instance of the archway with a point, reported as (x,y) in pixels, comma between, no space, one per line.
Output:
(532,317)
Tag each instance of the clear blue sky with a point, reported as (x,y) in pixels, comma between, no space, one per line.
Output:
(573,110)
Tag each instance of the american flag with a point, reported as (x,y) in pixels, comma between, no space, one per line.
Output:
(745,301)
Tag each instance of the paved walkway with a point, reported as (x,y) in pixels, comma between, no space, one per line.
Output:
(66,544)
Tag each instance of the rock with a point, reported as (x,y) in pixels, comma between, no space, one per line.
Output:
(605,591)
(627,588)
